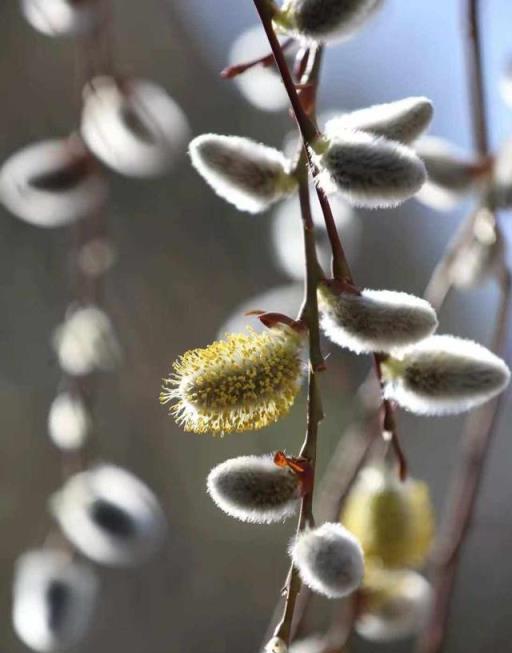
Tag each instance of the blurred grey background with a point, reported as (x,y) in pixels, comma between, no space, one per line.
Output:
(186,260)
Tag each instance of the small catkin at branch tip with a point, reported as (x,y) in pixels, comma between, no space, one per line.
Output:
(375,320)
(368,171)
(402,120)
(254,489)
(329,560)
(325,21)
(247,174)
(444,375)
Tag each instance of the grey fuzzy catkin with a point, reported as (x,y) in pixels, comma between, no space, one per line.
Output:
(444,375)
(451,174)
(329,560)
(254,489)
(247,174)
(53,599)
(375,320)
(403,120)
(110,516)
(370,171)
(328,20)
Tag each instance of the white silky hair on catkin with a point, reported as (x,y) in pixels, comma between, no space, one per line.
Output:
(254,489)
(446,375)
(329,20)
(370,171)
(402,120)
(110,516)
(329,559)
(53,599)
(376,320)
(245,173)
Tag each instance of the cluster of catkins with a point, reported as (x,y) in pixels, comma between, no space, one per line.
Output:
(103,513)
(370,158)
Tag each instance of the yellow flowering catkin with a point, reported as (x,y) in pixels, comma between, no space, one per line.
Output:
(242,383)
(392,520)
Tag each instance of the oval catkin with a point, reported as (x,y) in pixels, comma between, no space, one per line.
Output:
(443,375)
(375,320)
(402,120)
(329,560)
(254,489)
(247,174)
(325,20)
(369,171)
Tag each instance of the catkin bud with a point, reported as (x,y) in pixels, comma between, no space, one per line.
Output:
(110,516)
(375,320)
(402,120)
(69,422)
(325,20)
(53,600)
(392,520)
(369,171)
(62,17)
(247,174)
(242,383)
(51,183)
(329,560)
(255,489)
(395,605)
(451,175)
(443,375)
(86,342)
(276,645)
(133,126)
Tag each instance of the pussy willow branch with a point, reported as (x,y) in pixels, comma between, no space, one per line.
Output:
(340,267)
(309,314)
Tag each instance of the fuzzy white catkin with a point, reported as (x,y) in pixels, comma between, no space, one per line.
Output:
(247,174)
(62,17)
(311,644)
(369,171)
(329,559)
(402,120)
(69,422)
(254,489)
(276,645)
(399,609)
(51,183)
(450,173)
(86,342)
(53,600)
(135,128)
(260,85)
(326,20)
(375,320)
(110,516)
(444,375)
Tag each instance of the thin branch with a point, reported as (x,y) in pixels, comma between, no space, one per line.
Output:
(265,62)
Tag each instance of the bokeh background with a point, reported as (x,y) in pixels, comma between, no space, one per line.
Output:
(186,260)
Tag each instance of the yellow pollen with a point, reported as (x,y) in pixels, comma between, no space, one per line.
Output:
(242,383)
